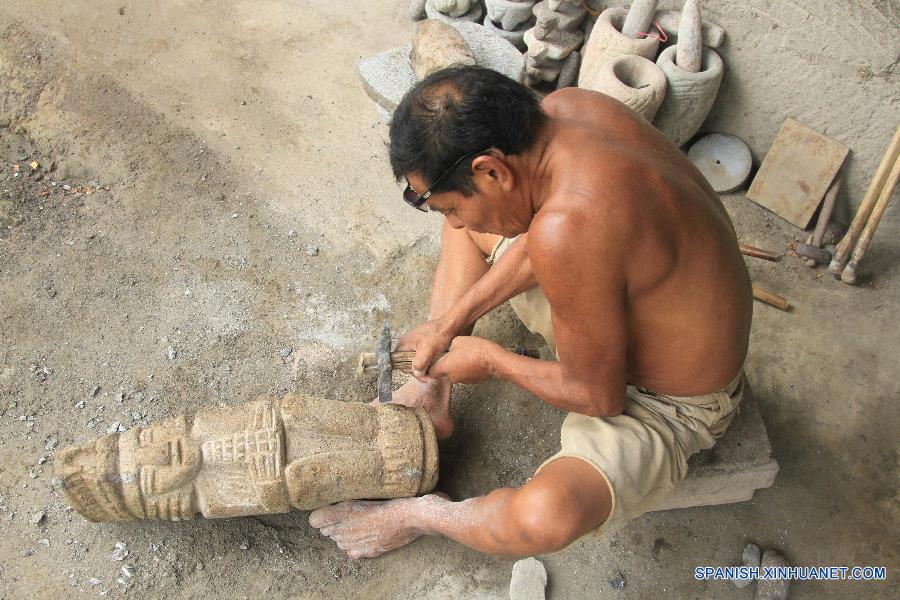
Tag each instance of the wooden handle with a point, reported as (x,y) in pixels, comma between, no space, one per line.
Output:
(825,212)
(760,253)
(842,252)
(770,298)
(849,273)
(402,360)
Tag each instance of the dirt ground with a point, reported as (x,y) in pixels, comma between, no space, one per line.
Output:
(213,218)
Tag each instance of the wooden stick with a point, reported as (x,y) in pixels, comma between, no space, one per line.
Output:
(770,298)
(849,273)
(402,360)
(842,252)
(760,253)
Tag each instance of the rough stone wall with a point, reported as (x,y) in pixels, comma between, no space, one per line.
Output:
(832,65)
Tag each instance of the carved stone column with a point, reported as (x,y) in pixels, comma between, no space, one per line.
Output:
(268,456)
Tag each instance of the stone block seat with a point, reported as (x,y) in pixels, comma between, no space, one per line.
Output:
(731,471)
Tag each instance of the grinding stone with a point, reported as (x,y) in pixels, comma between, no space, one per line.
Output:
(387,76)
(492,51)
(723,159)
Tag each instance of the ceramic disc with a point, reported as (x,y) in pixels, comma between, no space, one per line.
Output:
(723,159)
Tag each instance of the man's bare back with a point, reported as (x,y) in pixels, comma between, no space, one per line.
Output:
(688,298)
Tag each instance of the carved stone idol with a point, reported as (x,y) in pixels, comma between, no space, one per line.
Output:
(268,456)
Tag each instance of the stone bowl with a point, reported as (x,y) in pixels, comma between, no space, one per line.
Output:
(634,81)
(689,96)
(607,42)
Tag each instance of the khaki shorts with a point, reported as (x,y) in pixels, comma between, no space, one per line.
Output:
(642,453)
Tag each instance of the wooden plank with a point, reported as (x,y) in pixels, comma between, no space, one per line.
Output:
(796,173)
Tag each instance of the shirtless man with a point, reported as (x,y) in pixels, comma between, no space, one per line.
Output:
(609,243)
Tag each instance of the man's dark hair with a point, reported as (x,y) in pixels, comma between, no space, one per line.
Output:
(456,111)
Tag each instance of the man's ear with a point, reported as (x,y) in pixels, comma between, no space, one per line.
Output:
(495,171)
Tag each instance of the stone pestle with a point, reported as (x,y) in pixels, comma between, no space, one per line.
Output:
(689,54)
(689,96)
(634,81)
(639,18)
(669,20)
(607,42)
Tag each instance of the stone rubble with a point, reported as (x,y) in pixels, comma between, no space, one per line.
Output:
(772,589)
(751,558)
(120,552)
(528,581)
(617,581)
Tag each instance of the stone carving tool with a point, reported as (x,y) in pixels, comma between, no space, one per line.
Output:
(812,250)
(384,362)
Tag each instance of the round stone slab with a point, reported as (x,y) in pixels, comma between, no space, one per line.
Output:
(723,159)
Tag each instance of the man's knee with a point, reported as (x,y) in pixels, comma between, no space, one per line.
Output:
(548,519)
(485,241)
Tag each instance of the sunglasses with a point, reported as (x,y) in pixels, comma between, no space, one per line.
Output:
(417,201)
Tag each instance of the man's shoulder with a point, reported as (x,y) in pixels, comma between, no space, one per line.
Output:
(572,101)
(568,225)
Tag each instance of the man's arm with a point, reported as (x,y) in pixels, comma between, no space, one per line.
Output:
(510,275)
(580,267)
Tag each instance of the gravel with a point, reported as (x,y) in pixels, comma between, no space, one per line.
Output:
(120,552)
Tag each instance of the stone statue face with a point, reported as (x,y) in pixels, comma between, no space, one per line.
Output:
(167,460)
(158,466)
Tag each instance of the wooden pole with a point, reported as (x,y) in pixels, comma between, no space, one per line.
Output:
(842,252)
(849,273)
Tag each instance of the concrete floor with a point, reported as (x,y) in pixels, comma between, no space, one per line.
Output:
(231,138)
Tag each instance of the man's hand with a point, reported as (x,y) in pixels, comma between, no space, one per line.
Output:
(429,340)
(468,361)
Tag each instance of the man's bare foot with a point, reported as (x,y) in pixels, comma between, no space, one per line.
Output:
(365,528)
(433,397)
